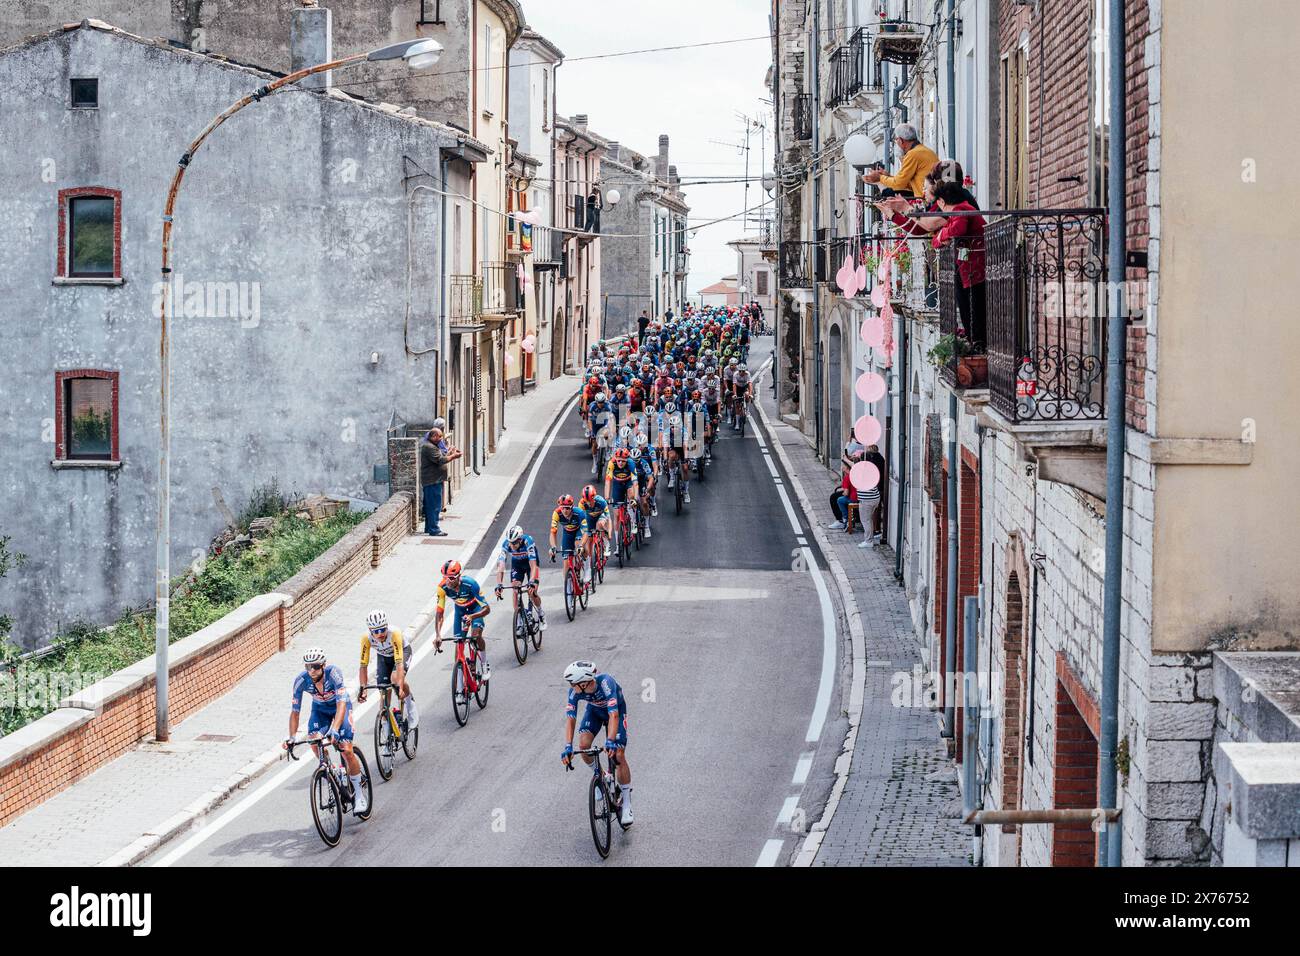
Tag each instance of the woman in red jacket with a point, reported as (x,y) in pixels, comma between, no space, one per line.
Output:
(968,233)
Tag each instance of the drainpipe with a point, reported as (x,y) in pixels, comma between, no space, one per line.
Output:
(1108,851)
(904,471)
(816,48)
(444,335)
(952,79)
(970,724)
(950,597)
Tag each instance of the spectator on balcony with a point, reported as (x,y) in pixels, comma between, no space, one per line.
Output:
(967,233)
(918,160)
(896,208)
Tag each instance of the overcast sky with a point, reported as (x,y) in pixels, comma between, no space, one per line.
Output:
(692,95)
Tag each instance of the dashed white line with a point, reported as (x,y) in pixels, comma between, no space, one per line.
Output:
(771,851)
(787,811)
(802,768)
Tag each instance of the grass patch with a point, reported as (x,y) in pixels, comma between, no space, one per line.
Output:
(85,653)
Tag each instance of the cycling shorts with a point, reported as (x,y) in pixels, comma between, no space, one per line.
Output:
(521,572)
(322,717)
(618,491)
(594,721)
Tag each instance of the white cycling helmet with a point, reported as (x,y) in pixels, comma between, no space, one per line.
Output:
(376,620)
(600,396)
(579,672)
(313,655)
(516,533)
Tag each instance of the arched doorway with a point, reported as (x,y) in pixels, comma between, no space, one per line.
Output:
(1013,705)
(557,345)
(834,398)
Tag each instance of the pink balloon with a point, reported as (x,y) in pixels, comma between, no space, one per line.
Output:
(873,332)
(867,430)
(847,278)
(870,387)
(864,476)
(882,270)
(528,343)
(880,296)
(861,277)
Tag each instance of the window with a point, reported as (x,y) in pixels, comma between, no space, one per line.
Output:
(86,415)
(430,11)
(85,94)
(761,281)
(546,100)
(90,233)
(1099,93)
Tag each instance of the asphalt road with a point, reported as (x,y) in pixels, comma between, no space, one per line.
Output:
(716,635)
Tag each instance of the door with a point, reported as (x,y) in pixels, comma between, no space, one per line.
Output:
(835,400)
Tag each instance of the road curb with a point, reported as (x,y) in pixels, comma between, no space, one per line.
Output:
(857,687)
(184,820)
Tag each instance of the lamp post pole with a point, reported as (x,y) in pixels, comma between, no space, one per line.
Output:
(418,54)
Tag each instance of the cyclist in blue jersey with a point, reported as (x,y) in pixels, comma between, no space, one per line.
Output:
(520,550)
(597,509)
(471,609)
(331,715)
(600,415)
(606,710)
(570,527)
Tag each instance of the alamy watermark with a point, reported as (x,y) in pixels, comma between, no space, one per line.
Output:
(210,300)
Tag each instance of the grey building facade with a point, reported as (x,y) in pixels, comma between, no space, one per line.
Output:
(306,300)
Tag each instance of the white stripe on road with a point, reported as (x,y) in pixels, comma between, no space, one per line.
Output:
(801,769)
(528,485)
(787,810)
(771,850)
(828,651)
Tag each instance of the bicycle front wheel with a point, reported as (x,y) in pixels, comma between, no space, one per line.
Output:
(481,695)
(521,636)
(384,742)
(327,806)
(601,823)
(620,537)
(411,741)
(570,596)
(459,694)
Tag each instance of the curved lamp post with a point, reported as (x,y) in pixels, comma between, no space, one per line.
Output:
(418,54)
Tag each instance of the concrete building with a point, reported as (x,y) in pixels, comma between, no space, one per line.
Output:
(646,260)
(308,308)
(533,71)
(578,155)
(995,488)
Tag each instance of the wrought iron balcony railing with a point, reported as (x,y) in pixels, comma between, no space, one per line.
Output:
(802,110)
(847,73)
(797,269)
(464,298)
(502,292)
(681,262)
(1046,301)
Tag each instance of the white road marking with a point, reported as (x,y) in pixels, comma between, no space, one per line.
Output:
(528,485)
(771,850)
(828,651)
(802,768)
(787,811)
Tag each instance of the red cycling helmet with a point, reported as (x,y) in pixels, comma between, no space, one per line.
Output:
(589,493)
(565,501)
(621,454)
(451,569)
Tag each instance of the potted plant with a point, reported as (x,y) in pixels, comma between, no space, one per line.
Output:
(953,349)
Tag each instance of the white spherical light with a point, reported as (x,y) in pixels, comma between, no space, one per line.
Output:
(613,196)
(859,150)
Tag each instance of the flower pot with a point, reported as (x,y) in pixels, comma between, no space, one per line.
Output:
(973,371)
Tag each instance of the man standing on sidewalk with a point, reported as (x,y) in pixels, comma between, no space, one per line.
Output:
(433,472)
(642,324)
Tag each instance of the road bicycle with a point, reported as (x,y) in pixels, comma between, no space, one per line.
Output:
(575,593)
(391,731)
(675,475)
(526,626)
(604,798)
(598,558)
(741,414)
(622,534)
(465,680)
(331,791)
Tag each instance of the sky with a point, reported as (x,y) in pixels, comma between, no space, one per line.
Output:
(692,95)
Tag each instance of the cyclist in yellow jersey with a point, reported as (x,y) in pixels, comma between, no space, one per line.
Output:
(390,663)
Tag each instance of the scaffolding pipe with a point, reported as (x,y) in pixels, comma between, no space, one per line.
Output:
(1020,817)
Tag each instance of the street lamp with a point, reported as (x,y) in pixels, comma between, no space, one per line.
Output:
(859,152)
(418,54)
(613,196)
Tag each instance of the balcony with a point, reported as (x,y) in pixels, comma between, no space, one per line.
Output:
(548,247)
(1045,291)
(846,73)
(681,263)
(802,116)
(464,302)
(797,269)
(898,42)
(501,292)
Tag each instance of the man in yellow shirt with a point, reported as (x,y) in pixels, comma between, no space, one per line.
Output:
(918,160)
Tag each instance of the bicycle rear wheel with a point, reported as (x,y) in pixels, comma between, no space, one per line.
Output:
(384,748)
(520,636)
(600,811)
(326,806)
(625,546)
(410,741)
(620,535)
(677,489)
(459,695)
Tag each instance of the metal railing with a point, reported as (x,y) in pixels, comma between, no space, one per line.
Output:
(796,263)
(464,298)
(501,289)
(801,105)
(681,262)
(847,73)
(548,245)
(1046,300)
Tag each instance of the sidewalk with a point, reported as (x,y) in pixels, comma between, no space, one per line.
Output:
(126,809)
(899,804)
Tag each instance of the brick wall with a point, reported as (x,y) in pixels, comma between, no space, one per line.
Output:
(1059,70)
(1074,769)
(51,754)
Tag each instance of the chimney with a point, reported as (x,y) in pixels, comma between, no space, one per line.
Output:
(311,42)
(661,161)
(673,178)
(580,121)
(612,150)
